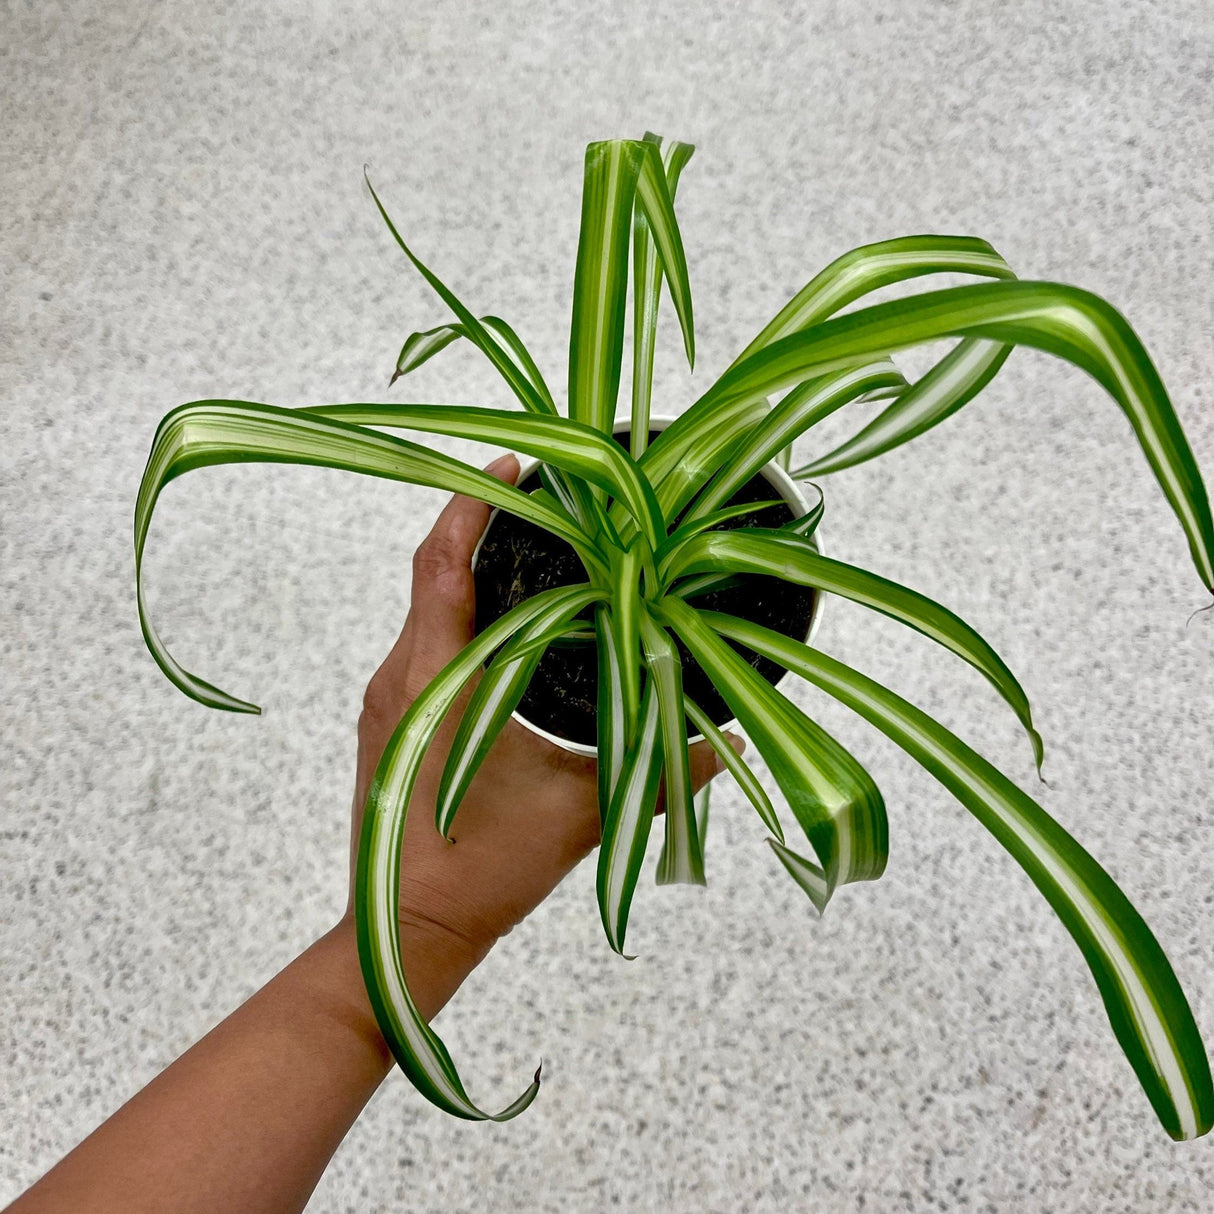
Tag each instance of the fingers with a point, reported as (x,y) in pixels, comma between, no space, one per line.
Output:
(706,763)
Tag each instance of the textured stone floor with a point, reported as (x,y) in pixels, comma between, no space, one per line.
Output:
(184,216)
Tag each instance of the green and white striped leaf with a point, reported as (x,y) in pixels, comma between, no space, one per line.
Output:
(1072,324)
(626,615)
(690,449)
(1147,1007)
(600,284)
(832,797)
(689,587)
(688,453)
(872,266)
(496,696)
(703,802)
(559,441)
(626,827)
(807,523)
(211,432)
(682,860)
(415,1046)
(677,538)
(792,559)
(421,347)
(614,726)
(953,382)
(737,767)
(646,291)
(802,408)
(805,873)
(655,201)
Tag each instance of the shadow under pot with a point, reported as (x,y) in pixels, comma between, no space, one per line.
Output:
(516,559)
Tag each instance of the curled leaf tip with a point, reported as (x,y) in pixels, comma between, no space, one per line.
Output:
(537,1071)
(1199,611)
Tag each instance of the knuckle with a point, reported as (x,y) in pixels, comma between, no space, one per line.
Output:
(433,557)
(377,703)
(439,574)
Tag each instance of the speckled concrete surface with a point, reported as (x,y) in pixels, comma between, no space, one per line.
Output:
(183,215)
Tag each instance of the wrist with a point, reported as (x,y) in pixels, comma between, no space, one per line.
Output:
(436,959)
(335,989)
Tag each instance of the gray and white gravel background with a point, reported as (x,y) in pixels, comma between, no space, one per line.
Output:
(182,215)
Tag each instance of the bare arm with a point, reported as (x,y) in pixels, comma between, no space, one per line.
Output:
(249,1117)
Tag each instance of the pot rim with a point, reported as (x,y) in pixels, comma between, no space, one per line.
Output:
(787,488)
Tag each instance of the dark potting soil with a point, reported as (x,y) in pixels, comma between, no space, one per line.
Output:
(518,559)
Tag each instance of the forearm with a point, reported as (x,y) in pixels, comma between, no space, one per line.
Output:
(248,1118)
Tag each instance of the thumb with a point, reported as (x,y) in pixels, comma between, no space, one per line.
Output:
(442,608)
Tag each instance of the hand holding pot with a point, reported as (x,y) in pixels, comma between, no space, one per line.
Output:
(530,815)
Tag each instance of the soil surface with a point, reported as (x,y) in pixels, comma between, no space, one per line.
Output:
(519,559)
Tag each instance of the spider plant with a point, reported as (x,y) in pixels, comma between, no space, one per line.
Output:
(646,523)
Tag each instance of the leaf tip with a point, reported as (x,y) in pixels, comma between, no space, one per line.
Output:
(1200,610)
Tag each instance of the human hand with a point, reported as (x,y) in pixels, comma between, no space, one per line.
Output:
(531,813)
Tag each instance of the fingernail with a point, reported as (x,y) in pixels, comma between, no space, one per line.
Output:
(737,742)
(501,465)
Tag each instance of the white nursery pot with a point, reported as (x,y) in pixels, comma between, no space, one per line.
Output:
(785,487)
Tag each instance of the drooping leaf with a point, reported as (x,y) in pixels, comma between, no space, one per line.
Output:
(626,614)
(871,266)
(805,873)
(736,766)
(832,797)
(629,817)
(655,202)
(681,861)
(1072,324)
(802,408)
(415,1046)
(489,709)
(614,725)
(953,382)
(792,559)
(703,802)
(1147,1008)
(559,441)
(206,433)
